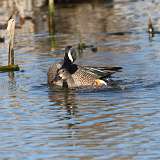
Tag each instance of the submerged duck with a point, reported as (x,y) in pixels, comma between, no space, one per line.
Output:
(68,74)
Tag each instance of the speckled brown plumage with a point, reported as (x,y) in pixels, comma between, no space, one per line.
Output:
(52,72)
(83,78)
(73,75)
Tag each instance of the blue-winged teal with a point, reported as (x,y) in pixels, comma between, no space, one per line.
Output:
(72,75)
(81,78)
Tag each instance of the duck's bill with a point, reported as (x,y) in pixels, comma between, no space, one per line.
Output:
(56,78)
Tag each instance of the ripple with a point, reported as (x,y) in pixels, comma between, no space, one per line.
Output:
(118,122)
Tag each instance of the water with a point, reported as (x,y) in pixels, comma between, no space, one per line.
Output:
(38,122)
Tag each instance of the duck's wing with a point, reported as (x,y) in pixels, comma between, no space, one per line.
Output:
(102,72)
(107,68)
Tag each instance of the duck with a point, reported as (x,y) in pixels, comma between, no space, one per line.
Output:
(81,78)
(71,75)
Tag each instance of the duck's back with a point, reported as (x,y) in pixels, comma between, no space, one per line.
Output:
(83,77)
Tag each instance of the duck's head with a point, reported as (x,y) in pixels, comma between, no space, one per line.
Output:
(70,55)
(62,74)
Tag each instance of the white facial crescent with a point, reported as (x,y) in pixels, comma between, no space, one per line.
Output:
(70,56)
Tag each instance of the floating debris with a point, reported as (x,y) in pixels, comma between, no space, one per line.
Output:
(150,28)
(2,39)
(9,68)
(82,46)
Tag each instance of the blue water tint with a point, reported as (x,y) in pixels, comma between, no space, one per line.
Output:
(119,122)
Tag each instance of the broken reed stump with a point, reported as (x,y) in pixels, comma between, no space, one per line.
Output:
(11,32)
(51,23)
(51,15)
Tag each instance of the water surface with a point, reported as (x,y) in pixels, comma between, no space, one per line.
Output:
(38,122)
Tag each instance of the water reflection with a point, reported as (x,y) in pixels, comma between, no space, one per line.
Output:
(99,122)
(64,98)
(38,122)
(102,17)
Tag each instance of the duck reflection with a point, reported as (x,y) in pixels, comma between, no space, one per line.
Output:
(65,98)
